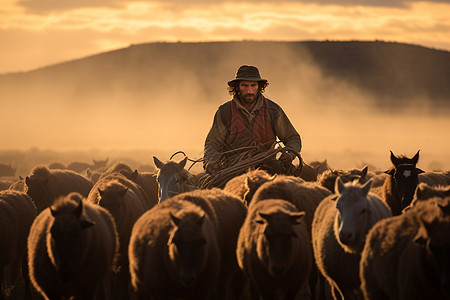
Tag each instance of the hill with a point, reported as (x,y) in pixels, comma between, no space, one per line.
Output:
(387,75)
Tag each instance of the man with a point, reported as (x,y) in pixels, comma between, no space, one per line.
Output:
(249,119)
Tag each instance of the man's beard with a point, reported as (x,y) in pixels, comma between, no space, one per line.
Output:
(249,98)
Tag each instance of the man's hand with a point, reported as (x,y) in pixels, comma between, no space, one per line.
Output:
(212,166)
(287,158)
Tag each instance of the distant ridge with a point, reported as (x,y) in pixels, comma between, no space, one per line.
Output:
(393,73)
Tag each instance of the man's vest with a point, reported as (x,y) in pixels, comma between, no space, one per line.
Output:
(242,132)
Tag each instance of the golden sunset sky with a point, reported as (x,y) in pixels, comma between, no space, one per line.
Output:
(37,33)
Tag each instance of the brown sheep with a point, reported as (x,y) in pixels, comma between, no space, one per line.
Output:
(306,196)
(340,225)
(274,249)
(312,170)
(328,178)
(19,185)
(126,201)
(7,170)
(227,212)
(72,247)
(406,257)
(399,186)
(44,186)
(435,178)
(174,252)
(245,185)
(17,213)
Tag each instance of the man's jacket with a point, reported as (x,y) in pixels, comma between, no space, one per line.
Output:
(234,127)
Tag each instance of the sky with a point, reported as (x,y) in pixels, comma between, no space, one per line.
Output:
(38,33)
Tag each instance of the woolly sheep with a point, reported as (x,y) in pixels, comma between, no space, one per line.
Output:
(72,247)
(274,249)
(406,257)
(17,213)
(44,186)
(339,228)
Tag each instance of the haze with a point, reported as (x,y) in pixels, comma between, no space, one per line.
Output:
(336,121)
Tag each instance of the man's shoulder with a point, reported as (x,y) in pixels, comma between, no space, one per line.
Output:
(225,105)
(272,104)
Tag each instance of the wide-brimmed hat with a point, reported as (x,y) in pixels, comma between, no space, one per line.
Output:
(248,73)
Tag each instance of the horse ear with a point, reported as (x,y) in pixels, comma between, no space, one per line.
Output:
(415,159)
(158,164)
(183,162)
(339,185)
(394,159)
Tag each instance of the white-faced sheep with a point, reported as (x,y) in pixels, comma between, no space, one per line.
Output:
(341,223)
(17,213)
(174,253)
(274,249)
(44,186)
(406,257)
(72,247)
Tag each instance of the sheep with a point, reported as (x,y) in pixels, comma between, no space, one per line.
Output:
(18,185)
(306,196)
(274,250)
(227,212)
(17,213)
(6,182)
(72,248)
(406,256)
(126,201)
(435,178)
(424,192)
(400,185)
(328,178)
(174,252)
(145,180)
(81,167)
(340,225)
(311,171)
(44,185)
(245,185)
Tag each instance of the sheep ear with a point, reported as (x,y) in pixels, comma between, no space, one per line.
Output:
(394,159)
(100,192)
(444,206)
(415,159)
(390,171)
(174,219)
(53,212)
(183,162)
(123,192)
(88,172)
(364,171)
(421,237)
(79,210)
(419,171)
(366,187)
(297,217)
(86,224)
(339,186)
(264,218)
(27,181)
(158,164)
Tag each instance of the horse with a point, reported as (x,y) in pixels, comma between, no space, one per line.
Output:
(174,179)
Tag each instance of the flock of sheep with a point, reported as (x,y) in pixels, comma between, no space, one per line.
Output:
(119,233)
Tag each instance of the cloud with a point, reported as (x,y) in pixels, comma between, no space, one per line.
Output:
(46,6)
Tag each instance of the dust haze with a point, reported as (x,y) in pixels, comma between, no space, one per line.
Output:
(336,120)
